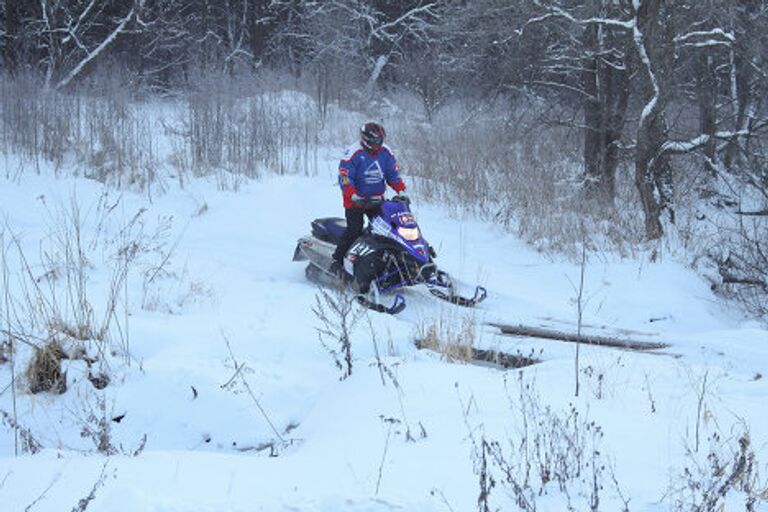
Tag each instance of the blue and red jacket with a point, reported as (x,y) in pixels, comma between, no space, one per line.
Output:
(367,174)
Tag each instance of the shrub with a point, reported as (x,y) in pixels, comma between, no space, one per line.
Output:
(44,371)
(553,452)
(454,343)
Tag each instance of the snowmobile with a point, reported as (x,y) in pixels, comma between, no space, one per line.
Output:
(390,254)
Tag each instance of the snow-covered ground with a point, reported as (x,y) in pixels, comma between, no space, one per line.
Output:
(212,282)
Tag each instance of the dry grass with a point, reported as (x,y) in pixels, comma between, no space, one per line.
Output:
(229,128)
(44,370)
(5,352)
(517,174)
(455,343)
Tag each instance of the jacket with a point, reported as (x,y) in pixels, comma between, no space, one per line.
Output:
(367,174)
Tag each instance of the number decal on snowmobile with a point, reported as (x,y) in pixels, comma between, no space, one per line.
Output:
(360,248)
(407,219)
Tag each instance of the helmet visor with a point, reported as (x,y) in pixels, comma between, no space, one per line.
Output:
(375,140)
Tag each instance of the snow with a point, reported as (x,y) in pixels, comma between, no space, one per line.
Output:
(363,443)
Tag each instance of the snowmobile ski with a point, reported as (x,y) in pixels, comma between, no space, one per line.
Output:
(397,306)
(480,295)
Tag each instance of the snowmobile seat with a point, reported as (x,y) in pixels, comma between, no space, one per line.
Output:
(329,229)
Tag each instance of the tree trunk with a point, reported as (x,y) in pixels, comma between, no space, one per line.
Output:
(652,172)
(597,186)
(378,67)
(645,187)
(617,86)
(742,76)
(260,27)
(706,92)
(607,87)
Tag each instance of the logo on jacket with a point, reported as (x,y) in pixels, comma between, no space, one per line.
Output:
(373,174)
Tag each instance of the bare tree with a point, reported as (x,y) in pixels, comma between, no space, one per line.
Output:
(663,39)
(72,34)
(336,36)
(605,81)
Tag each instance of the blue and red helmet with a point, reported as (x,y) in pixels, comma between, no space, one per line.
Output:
(372,136)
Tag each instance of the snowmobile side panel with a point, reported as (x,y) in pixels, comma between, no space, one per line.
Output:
(319,252)
(298,254)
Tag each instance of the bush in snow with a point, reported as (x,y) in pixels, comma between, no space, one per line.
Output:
(5,352)
(528,180)
(741,259)
(726,474)
(24,440)
(338,314)
(454,343)
(554,453)
(96,420)
(44,371)
(103,135)
(71,304)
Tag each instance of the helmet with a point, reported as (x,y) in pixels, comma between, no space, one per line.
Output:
(372,136)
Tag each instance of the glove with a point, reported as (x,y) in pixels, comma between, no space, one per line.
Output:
(356,198)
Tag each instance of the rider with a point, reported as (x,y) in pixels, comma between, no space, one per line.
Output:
(364,172)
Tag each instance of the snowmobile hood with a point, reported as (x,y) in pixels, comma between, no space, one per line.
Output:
(394,217)
(398,214)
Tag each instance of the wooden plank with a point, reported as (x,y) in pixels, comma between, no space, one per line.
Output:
(570,337)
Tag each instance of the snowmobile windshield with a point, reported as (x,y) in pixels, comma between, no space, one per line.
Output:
(410,234)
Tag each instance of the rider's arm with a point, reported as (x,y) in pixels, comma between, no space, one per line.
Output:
(392,173)
(347,174)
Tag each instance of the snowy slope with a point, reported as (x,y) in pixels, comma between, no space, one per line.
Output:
(363,443)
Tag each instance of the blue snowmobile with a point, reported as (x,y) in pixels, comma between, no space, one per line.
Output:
(389,255)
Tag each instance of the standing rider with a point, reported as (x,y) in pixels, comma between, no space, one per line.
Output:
(364,172)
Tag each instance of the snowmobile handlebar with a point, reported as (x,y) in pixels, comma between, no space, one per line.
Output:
(370,203)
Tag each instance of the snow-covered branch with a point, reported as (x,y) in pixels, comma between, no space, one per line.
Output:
(567,87)
(101,47)
(651,105)
(73,30)
(706,44)
(707,35)
(424,9)
(560,12)
(680,147)
(685,146)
